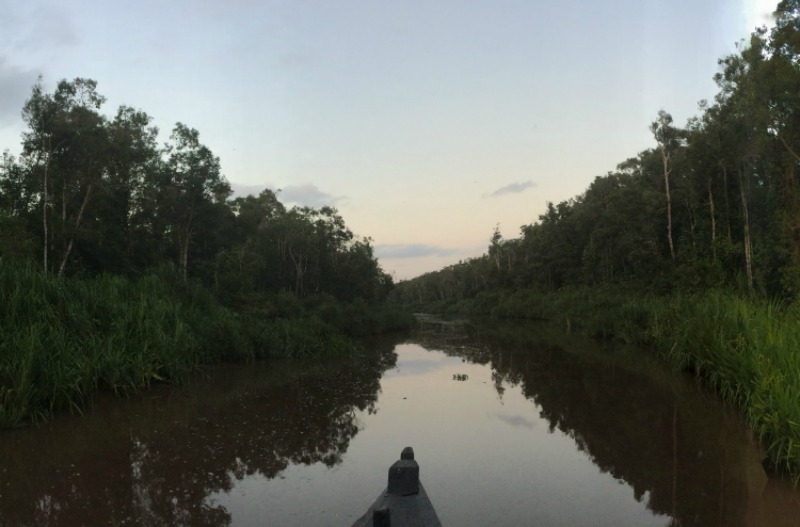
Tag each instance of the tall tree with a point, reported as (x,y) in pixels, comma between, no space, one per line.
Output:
(133,160)
(66,147)
(778,82)
(40,143)
(743,111)
(668,139)
(191,179)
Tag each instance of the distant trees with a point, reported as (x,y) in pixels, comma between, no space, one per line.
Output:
(727,186)
(303,250)
(190,184)
(91,194)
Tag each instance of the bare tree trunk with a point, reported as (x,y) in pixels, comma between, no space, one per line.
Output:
(78,219)
(299,271)
(746,220)
(692,221)
(184,238)
(727,203)
(713,219)
(63,202)
(665,161)
(789,148)
(44,211)
(183,257)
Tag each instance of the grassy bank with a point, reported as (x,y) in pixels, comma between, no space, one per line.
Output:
(747,350)
(64,340)
(750,353)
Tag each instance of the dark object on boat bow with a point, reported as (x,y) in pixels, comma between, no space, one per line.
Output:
(404,502)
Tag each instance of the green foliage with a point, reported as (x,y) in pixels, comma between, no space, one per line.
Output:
(164,274)
(750,353)
(15,240)
(92,195)
(302,337)
(64,339)
(712,205)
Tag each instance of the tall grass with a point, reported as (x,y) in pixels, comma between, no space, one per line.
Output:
(747,350)
(63,340)
(750,353)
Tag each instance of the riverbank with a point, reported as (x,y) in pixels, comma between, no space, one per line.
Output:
(747,350)
(62,340)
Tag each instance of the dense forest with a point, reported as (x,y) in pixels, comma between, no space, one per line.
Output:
(690,249)
(715,204)
(91,194)
(124,262)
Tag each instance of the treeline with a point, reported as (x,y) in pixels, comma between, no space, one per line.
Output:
(91,194)
(715,204)
(123,262)
(690,249)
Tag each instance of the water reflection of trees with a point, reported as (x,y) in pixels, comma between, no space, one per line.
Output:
(156,460)
(679,449)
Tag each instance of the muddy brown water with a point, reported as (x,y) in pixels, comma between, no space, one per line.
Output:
(543,430)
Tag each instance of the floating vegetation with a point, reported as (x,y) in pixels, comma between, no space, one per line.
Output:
(460,376)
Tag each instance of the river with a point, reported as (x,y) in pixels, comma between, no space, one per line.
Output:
(511,425)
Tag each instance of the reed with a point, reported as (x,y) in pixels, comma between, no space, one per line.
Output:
(749,351)
(64,340)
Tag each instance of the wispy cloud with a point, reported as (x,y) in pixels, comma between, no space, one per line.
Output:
(30,30)
(57,26)
(240,190)
(308,195)
(15,87)
(411,250)
(37,27)
(513,188)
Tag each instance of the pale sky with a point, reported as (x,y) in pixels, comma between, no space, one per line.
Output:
(425,122)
